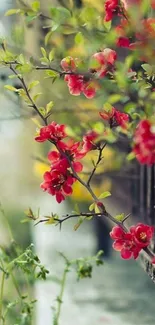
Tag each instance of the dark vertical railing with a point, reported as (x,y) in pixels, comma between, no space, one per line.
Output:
(143,193)
(150,190)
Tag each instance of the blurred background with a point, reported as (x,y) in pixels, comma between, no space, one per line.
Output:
(119,292)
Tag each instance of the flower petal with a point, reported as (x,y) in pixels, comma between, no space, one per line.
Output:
(117,233)
(126,253)
(77,166)
(118,245)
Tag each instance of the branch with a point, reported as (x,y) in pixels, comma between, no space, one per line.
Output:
(34,106)
(96,165)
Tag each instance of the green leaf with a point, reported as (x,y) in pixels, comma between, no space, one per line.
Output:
(114,98)
(52,74)
(35,97)
(120,217)
(147,68)
(30,18)
(35,6)
(43,51)
(51,55)
(97,210)
(42,111)
(107,107)
(12,12)
(33,84)
(44,61)
(14,76)
(21,59)
(104,195)
(130,156)
(107,25)
(89,218)
(79,39)
(49,107)
(51,221)
(47,37)
(60,14)
(55,26)
(78,224)
(11,88)
(91,207)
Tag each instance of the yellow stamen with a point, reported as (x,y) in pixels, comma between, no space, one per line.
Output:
(143,236)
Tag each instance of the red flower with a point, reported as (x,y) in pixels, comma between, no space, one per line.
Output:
(142,234)
(89,89)
(123,42)
(103,61)
(75,84)
(68,64)
(78,85)
(153,4)
(89,141)
(111,8)
(115,118)
(71,150)
(53,131)
(58,183)
(123,242)
(144,139)
(107,114)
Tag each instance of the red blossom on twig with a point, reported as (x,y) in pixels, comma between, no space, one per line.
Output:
(142,234)
(103,62)
(115,118)
(53,132)
(58,182)
(144,142)
(129,244)
(123,242)
(111,9)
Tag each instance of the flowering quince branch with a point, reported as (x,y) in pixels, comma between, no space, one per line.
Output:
(65,160)
(59,180)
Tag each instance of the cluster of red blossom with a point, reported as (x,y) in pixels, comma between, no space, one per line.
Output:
(59,180)
(102,63)
(145,32)
(116,7)
(144,140)
(129,244)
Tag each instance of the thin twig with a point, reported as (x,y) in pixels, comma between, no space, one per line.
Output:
(28,95)
(125,218)
(100,150)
